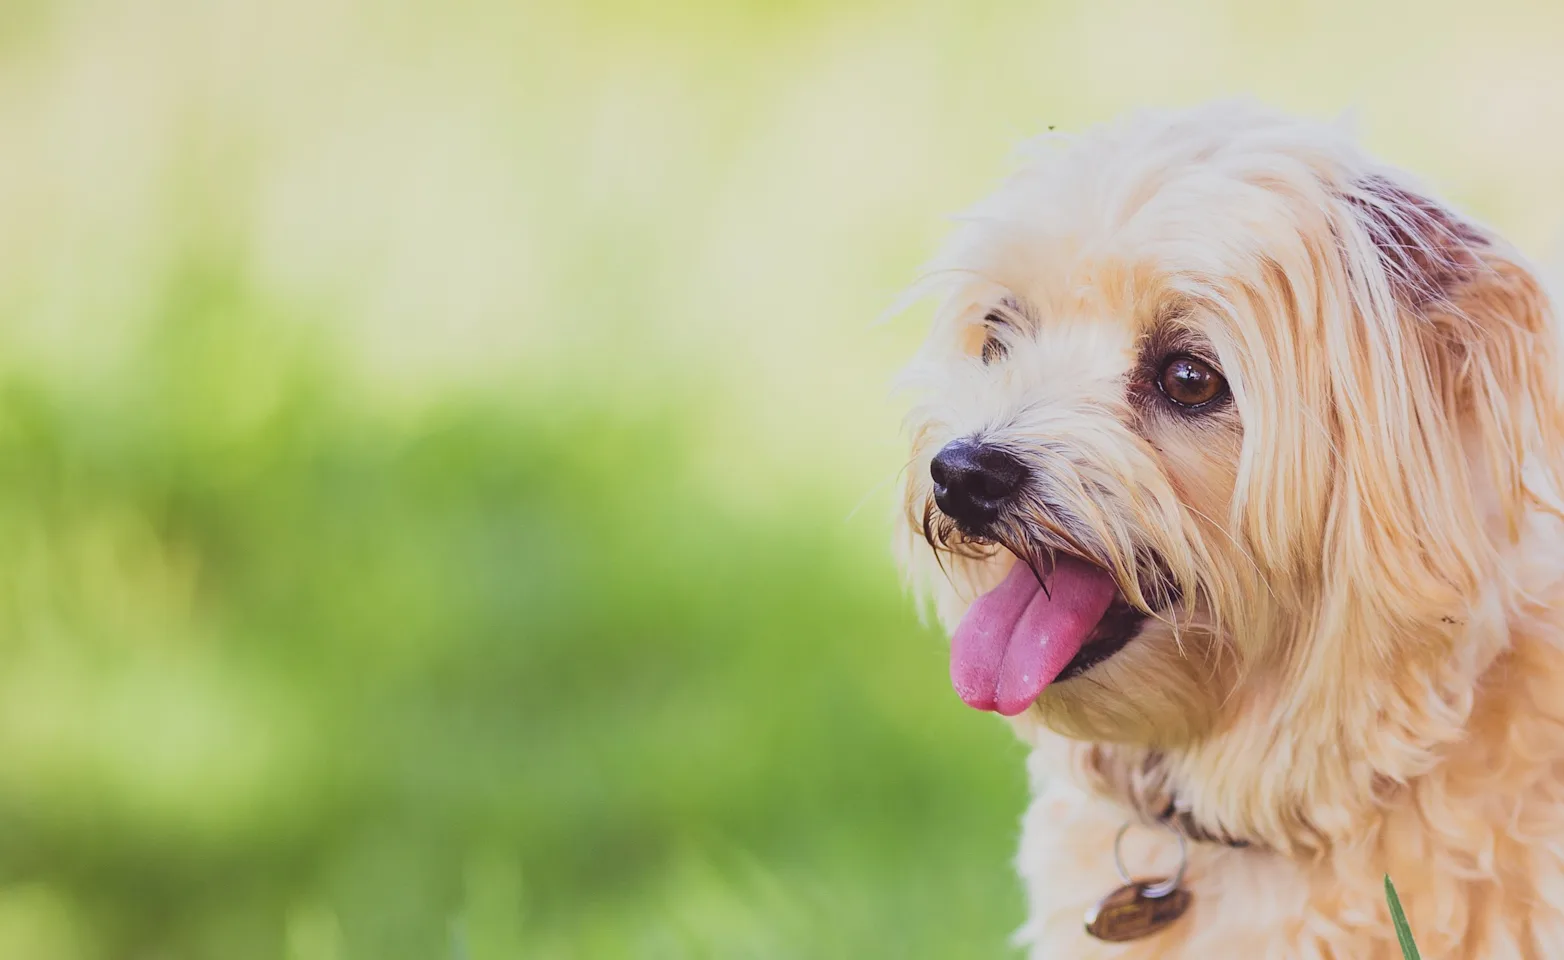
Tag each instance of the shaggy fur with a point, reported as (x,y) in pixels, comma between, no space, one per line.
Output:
(1355,663)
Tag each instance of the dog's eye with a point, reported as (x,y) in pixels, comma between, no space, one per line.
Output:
(1190,383)
(993,347)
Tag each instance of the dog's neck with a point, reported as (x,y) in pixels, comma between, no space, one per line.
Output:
(1298,789)
(1303,774)
(1141,782)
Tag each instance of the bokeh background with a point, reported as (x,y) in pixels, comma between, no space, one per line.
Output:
(447,450)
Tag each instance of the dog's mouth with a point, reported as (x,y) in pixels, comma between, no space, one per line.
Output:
(1019,637)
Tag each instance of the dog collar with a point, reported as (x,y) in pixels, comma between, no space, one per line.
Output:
(1183,823)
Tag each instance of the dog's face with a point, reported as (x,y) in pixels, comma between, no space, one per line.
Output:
(1215,413)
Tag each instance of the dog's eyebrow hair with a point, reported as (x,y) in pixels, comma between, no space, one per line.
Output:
(1010,311)
(1169,335)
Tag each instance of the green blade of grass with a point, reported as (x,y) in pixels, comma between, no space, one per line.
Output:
(1399,918)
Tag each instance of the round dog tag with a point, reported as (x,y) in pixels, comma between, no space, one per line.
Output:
(1129,913)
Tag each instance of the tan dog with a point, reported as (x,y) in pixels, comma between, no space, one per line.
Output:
(1282,438)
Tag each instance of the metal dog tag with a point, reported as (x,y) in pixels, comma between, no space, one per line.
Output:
(1141,907)
(1131,912)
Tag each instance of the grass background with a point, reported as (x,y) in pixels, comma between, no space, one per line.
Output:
(446,453)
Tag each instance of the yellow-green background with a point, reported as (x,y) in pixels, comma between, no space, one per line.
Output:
(446,450)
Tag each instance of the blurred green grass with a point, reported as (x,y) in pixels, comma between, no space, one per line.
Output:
(285,675)
(446,457)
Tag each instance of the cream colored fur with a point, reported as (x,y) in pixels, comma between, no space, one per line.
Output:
(1365,671)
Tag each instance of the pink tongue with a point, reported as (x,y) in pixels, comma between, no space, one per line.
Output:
(1015,640)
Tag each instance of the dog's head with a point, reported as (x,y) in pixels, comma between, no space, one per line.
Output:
(1219,420)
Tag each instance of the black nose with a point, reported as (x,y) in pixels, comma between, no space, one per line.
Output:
(973,480)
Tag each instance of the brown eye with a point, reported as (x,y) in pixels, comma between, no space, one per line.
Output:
(992,349)
(1191,383)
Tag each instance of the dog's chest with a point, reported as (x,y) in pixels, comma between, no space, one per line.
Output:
(1243,902)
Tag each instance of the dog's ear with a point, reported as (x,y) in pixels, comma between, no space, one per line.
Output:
(1413,401)
(1453,360)
(1485,327)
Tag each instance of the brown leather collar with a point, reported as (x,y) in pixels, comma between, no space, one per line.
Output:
(1184,822)
(1142,782)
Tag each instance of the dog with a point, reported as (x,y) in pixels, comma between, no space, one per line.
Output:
(1236,460)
